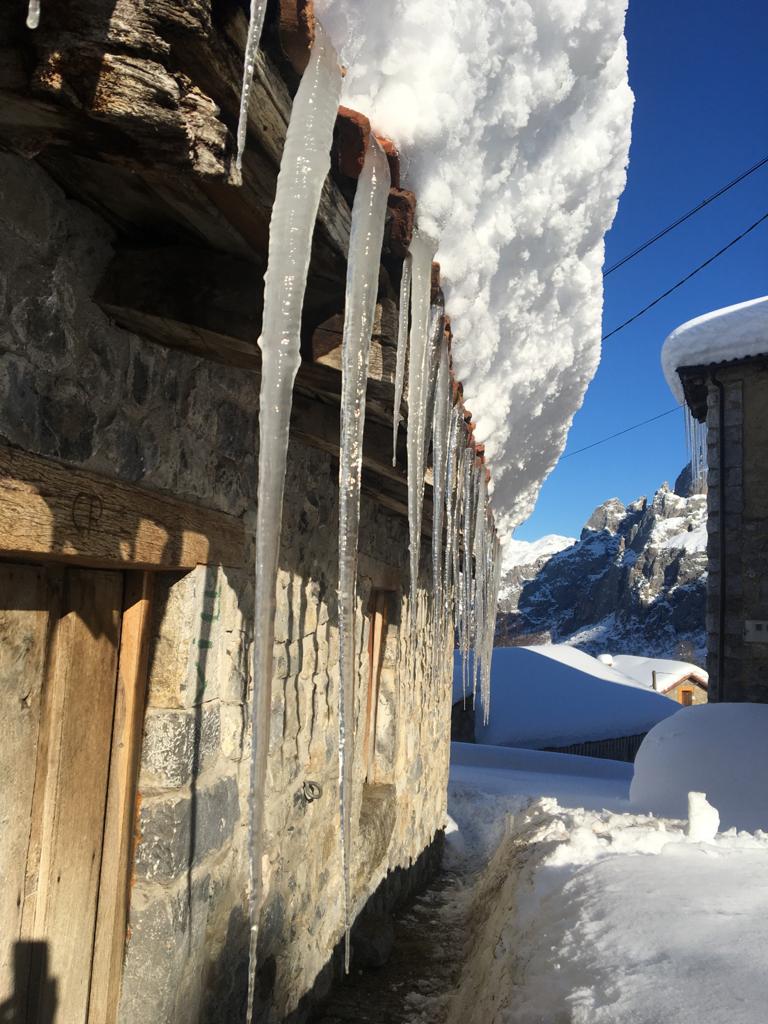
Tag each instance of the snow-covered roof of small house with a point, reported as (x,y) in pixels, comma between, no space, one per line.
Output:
(668,671)
(734,332)
(556,695)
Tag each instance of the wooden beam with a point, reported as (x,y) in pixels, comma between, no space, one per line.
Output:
(119,838)
(53,511)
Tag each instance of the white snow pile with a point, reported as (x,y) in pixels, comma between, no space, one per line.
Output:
(555,695)
(720,749)
(625,918)
(583,911)
(669,672)
(734,332)
(526,552)
(513,118)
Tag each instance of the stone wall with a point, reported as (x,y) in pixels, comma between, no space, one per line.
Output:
(746,530)
(76,388)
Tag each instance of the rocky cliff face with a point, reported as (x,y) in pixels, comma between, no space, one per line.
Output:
(633,583)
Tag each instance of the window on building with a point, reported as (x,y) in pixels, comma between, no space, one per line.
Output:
(686,697)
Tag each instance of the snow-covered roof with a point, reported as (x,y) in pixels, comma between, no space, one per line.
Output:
(513,122)
(555,695)
(735,332)
(668,671)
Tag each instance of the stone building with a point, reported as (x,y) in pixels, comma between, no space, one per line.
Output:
(718,364)
(130,272)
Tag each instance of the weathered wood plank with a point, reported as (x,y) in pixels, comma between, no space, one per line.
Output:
(55,511)
(24,617)
(117,857)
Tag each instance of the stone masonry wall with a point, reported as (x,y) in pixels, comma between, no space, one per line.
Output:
(76,388)
(746,525)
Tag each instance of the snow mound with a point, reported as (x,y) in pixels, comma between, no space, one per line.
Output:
(513,118)
(719,749)
(526,552)
(734,332)
(554,695)
(627,918)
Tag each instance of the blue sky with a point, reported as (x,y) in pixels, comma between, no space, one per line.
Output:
(699,72)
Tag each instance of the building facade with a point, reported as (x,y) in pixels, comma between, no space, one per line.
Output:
(130,273)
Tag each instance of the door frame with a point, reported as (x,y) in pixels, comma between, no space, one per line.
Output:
(55,513)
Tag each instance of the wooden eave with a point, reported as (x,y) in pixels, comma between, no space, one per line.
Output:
(131,106)
(696,380)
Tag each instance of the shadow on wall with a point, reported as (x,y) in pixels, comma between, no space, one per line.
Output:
(35,995)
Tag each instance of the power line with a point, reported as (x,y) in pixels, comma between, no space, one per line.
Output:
(687,277)
(685,216)
(620,432)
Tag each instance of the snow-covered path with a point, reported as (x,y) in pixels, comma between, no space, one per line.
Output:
(606,916)
(559,904)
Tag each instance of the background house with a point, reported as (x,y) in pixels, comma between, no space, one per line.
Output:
(718,365)
(679,680)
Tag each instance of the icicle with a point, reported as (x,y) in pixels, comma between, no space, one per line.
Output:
(255,25)
(450,503)
(436,343)
(402,350)
(479,553)
(458,589)
(360,307)
(696,443)
(440,429)
(422,251)
(33,14)
(491,611)
(466,574)
(303,169)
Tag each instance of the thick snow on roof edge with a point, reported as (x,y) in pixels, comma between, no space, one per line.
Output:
(734,332)
(513,120)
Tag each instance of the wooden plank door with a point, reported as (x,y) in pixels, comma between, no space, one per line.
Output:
(69,754)
(64,861)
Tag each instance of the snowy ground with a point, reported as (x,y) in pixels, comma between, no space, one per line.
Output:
(585,909)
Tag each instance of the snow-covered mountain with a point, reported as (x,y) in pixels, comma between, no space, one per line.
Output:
(635,581)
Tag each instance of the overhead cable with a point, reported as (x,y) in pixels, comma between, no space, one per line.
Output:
(619,433)
(685,216)
(687,277)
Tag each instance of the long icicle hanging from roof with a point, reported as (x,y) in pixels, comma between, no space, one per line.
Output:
(365,240)
(303,170)
(402,350)
(255,26)
(422,251)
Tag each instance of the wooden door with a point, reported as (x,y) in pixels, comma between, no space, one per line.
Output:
(58,677)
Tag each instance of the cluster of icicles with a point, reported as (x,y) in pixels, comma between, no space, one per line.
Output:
(466,573)
(696,443)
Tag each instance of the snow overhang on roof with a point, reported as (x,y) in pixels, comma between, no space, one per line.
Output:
(732,334)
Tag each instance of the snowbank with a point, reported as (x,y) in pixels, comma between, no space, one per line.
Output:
(734,332)
(513,117)
(668,672)
(625,918)
(526,552)
(554,695)
(719,749)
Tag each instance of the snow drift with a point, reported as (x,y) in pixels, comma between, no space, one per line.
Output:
(513,117)
(719,749)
